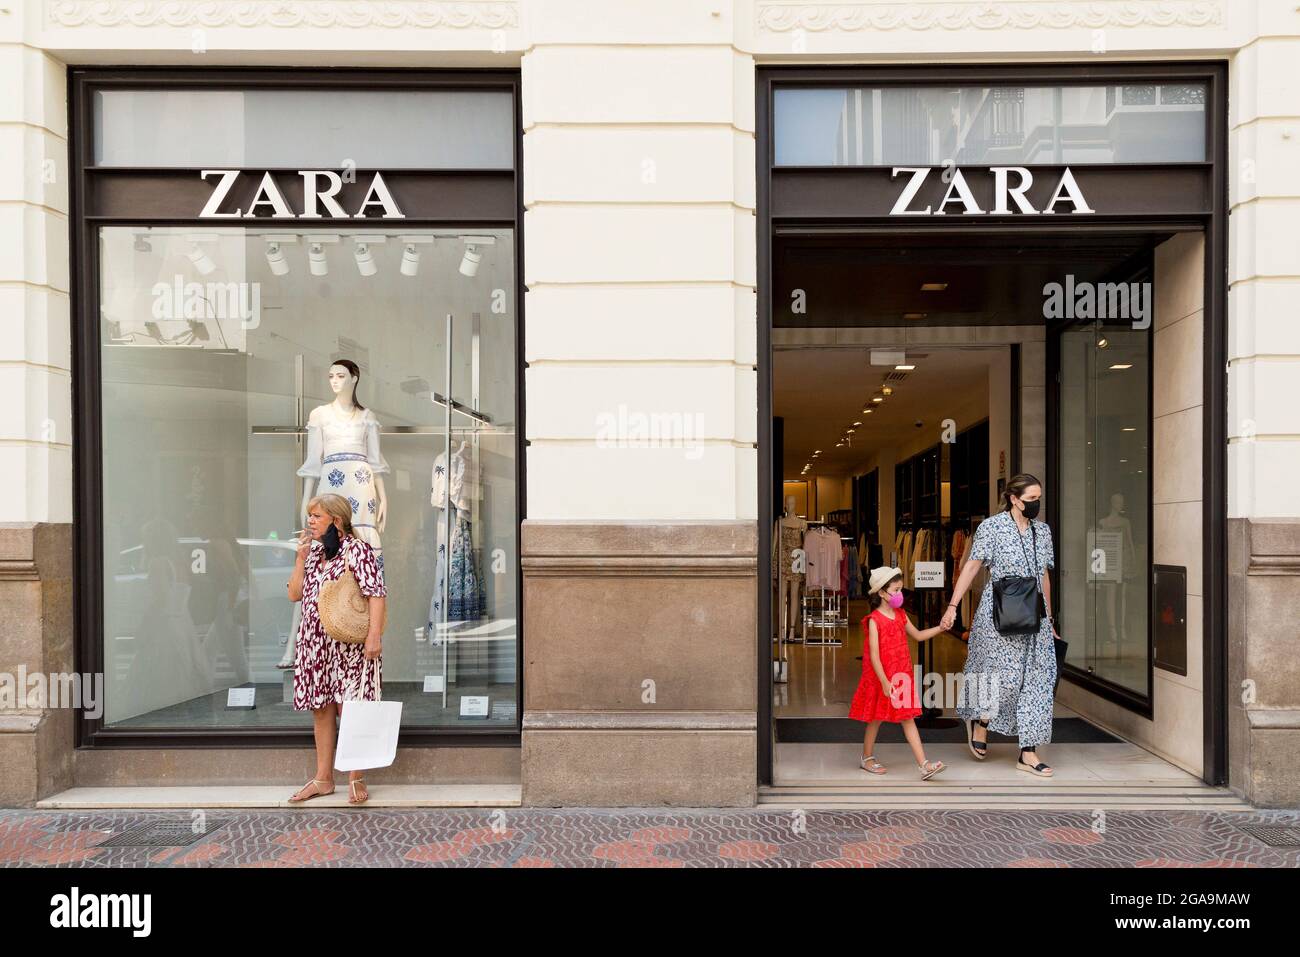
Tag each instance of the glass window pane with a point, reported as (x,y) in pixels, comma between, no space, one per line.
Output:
(330,129)
(211,341)
(990,126)
(1105,501)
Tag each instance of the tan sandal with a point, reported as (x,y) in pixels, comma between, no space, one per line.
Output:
(316,792)
(930,769)
(352,791)
(872,766)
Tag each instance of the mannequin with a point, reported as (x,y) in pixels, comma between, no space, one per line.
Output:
(465,596)
(788,572)
(343,457)
(1117,591)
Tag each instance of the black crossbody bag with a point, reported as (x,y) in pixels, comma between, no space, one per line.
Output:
(1018,606)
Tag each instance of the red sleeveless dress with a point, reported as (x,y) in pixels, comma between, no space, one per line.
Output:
(870,703)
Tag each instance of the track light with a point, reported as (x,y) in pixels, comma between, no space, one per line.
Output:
(411,252)
(201,260)
(316,260)
(470,261)
(365,262)
(410,260)
(275,258)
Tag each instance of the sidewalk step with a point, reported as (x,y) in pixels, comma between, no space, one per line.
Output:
(1001,797)
(381,795)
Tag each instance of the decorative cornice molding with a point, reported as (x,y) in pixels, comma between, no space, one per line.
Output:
(355,14)
(784,16)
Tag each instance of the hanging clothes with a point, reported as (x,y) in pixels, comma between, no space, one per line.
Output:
(822,553)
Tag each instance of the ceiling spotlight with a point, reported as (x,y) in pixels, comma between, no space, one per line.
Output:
(1122,365)
(411,252)
(1129,428)
(857,423)
(365,261)
(933,286)
(316,260)
(904,368)
(850,431)
(868,411)
(1103,342)
(913,315)
(886,390)
(473,256)
(410,260)
(201,260)
(877,399)
(818,452)
(275,258)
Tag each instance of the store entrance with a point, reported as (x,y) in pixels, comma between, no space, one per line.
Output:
(911,378)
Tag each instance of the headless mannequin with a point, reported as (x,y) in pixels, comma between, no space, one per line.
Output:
(344,385)
(791,579)
(1117,592)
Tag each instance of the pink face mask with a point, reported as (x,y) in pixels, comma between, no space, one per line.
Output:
(895,599)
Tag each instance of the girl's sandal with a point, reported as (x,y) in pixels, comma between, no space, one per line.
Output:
(317,791)
(352,791)
(930,769)
(872,766)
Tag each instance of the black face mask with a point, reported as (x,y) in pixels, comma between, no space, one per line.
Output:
(1031,509)
(330,541)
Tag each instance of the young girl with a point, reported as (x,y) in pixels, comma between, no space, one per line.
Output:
(886,691)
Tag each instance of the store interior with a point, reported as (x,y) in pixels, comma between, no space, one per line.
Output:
(909,383)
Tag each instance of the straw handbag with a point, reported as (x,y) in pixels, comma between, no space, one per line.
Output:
(344,611)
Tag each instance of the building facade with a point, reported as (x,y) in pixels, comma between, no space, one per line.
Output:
(565,327)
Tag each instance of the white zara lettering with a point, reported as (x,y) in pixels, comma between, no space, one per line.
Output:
(959,194)
(270,198)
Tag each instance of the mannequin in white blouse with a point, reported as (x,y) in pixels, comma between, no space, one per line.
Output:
(342,427)
(343,457)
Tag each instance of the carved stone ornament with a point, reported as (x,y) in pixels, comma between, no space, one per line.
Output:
(394,14)
(783,16)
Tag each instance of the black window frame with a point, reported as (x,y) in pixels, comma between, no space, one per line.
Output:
(88,505)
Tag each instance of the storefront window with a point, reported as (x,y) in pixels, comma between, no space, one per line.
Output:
(283,128)
(1105,500)
(215,348)
(886,126)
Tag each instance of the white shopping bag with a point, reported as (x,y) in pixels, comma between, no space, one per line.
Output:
(367,735)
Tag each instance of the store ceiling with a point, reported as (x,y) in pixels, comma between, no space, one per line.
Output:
(874,280)
(821,392)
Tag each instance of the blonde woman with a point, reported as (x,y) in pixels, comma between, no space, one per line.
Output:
(329,672)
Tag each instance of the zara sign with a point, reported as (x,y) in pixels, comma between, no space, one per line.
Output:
(320,189)
(1005,193)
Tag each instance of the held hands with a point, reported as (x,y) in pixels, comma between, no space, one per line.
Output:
(949,619)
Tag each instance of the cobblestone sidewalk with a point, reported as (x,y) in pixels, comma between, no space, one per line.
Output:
(652,838)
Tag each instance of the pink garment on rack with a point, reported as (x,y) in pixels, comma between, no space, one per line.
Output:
(822,551)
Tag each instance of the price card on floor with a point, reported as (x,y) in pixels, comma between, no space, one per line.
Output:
(241,698)
(928,575)
(474,706)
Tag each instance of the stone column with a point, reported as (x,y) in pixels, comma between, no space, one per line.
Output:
(1263,692)
(639,549)
(35,415)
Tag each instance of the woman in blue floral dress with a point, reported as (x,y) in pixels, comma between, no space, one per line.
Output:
(1011,676)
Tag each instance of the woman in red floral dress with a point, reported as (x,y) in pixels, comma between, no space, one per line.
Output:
(887,690)
(328,672)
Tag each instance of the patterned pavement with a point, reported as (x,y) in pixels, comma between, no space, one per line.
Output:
(654,838)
